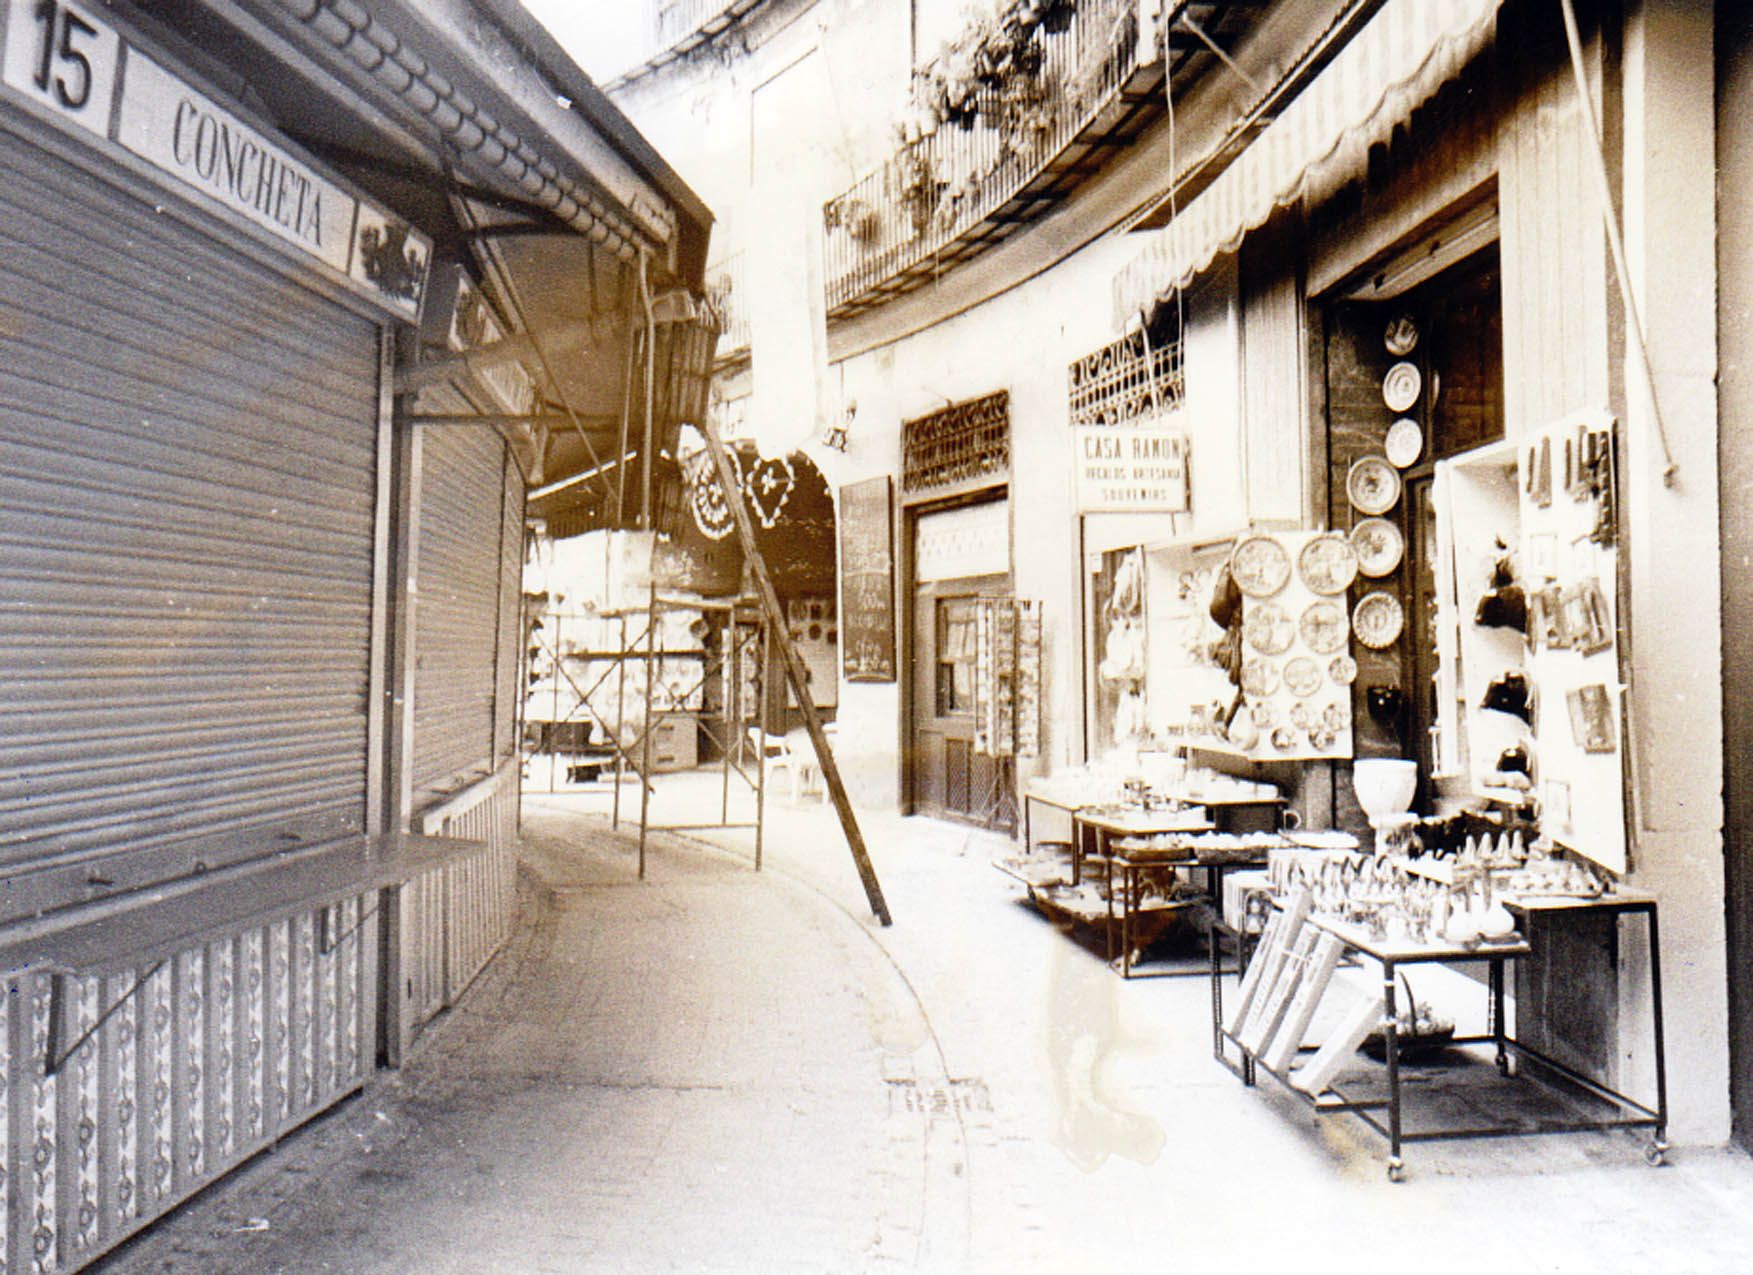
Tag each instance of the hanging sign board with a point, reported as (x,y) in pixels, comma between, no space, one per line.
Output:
(867,581)
(1130,471)
(67,59)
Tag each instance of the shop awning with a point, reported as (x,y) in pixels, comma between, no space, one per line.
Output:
(1398,60)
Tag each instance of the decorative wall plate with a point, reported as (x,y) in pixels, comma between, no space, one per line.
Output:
(1336,717)
(1404,443)
(1284,739)
(1323,627)
(1261,565)
(1401,337)
(1328,563)
(1372,484)
(1342,669)
(1268,629)
(1300,716)
(1302,676)
(1379,546)
(1378,619)
(1262,712)
(1259,678)
(1401,385)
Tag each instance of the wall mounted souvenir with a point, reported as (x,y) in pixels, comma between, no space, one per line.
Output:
(1591,718)
(1372,485)
(1268,629)
(1300,716)
(1261,565)
(1401,337)
(1343,670)
(1328,563)
(1302,676)
(1583,614)
(1377,620)
(1546,619)
(1263,714)
(1259,678)
(1336,717)
(1404,443)
(1323,627)
(1539,473)
(1379,546)
(1284,739)
(1401,385)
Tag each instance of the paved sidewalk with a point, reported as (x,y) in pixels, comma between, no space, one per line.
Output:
(724,1070)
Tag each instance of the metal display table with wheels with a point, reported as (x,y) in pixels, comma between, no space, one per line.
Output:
(1514,1090)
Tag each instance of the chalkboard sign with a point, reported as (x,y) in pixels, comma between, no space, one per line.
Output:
(867,581)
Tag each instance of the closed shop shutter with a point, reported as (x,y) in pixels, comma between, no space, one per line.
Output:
(456,614)
(510,616)
(187,483)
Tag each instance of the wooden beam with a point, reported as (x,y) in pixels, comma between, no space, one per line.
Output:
(794,670)
(517,348)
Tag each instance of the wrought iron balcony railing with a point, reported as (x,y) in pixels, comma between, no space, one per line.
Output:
(988,163)
(1126,381)
(726,288)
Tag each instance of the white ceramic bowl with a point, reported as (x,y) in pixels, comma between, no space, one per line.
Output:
(1384,785)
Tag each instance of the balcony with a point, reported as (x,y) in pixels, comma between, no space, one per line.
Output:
(727,291)
(995,150)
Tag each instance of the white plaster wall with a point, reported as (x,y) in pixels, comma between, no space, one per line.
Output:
(1673,554)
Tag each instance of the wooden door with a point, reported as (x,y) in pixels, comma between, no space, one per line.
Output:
(946,777)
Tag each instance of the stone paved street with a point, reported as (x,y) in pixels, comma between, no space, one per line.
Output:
(724,1070)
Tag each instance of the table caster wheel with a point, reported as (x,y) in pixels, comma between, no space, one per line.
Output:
(1396,1171)
(1656,1154)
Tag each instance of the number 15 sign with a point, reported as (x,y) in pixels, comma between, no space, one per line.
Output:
(61,56)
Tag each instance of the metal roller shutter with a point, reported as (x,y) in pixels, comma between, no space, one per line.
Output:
(456,624)
(186,493)
(510,615)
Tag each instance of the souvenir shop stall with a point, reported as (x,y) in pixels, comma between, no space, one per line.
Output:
(1382,951)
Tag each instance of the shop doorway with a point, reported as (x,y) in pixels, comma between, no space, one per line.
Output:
(959,556)
(1455,319)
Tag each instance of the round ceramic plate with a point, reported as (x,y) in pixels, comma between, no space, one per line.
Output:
(1261,566)
(1259,679)
(1302,676)
(1377,620)
(1401,337)
(1328,563)
(1401,385)
(1284,739)
(1336,717)
(1268,630)
(1404,442)
(1299,715)
(1379,546)
(1342,669)
(1322,739)
(1372,484)
(1260,711)
(1323,627)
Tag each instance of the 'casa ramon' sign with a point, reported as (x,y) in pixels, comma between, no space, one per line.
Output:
(1130,471)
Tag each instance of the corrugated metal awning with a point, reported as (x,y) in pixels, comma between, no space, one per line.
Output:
(1400,58)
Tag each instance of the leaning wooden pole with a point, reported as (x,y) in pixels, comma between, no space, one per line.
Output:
(794,671)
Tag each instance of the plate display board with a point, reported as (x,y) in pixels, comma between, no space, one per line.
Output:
(867,581)
(1293,639)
